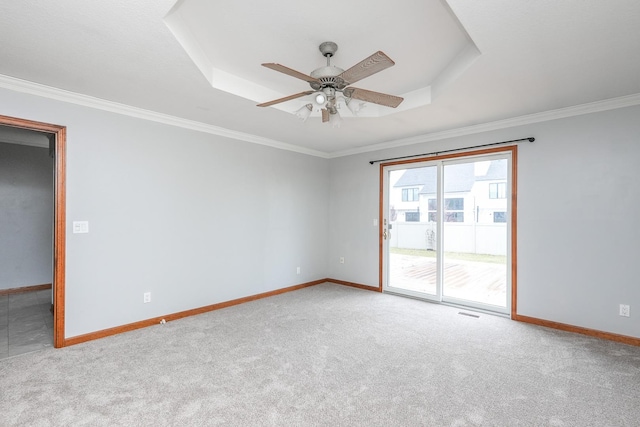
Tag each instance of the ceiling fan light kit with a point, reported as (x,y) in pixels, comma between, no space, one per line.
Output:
(304,112)
(328,80)
(354,106)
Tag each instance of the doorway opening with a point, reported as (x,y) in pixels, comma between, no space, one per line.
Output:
(448,229)
(57,137)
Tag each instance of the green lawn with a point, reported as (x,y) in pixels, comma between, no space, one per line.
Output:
(496,259)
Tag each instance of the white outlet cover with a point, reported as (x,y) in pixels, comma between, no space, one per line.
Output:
(375,222)
(625,310)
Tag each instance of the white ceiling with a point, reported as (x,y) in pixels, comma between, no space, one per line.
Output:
(459,63)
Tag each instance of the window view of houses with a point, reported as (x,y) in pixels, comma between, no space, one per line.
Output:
(475,203)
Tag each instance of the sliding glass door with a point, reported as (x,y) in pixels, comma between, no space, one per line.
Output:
(446,230)
(411,238)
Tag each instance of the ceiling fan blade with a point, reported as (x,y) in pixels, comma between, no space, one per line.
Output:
(290,72)
(368,66)
(371,96)
(325,115)
(286,98)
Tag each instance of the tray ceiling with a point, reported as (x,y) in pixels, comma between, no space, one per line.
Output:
(469,62)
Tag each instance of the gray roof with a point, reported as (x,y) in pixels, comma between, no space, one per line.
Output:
(497,171)
(460,181)
(416,177)
(458,178)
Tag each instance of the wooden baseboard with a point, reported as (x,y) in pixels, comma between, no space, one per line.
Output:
(578,330)
(175,316)
(25,289)
(532,320)
(354,285)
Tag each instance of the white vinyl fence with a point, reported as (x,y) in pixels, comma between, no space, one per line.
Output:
(488,239)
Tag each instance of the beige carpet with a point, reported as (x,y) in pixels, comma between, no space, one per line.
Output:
(328,356)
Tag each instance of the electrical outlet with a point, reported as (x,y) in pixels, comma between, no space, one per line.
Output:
(146,297)
(298,270)
(624,310)
(341,260)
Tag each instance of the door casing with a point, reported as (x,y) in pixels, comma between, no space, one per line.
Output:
(59,214)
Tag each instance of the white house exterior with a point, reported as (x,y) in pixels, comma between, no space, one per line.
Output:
(475,208)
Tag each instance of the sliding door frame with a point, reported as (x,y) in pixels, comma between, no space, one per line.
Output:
(59,133)
(513,150)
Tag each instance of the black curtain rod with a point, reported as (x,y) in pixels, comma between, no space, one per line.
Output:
(530,139)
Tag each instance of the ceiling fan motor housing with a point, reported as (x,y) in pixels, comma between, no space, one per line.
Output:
(328,77)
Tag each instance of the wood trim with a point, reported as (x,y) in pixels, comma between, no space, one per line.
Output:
(625,339)
(29,124)
(513,149)
(59,222)
(495,150)
(354,285)
(179,315)
(381,229)
(514,231)
(60,235)
(25,289)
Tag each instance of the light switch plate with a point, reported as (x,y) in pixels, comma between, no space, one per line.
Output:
(80,227)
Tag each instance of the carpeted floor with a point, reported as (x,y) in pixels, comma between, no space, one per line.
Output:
(328,356)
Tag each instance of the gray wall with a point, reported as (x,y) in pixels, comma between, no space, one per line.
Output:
(578,201)
(197,219)
(26,216)
(193,218)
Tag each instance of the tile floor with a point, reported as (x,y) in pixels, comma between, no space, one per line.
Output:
(26,323)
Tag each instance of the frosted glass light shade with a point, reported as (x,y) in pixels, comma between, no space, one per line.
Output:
(304,112)
(354,106)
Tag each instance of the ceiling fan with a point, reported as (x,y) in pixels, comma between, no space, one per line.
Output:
(327,81)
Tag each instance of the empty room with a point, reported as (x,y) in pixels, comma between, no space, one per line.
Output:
(365,213)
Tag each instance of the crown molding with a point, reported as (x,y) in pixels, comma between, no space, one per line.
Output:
(37,89)
(561,113)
